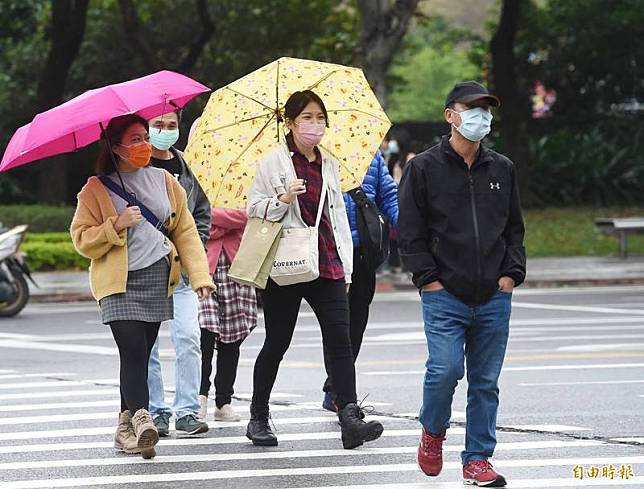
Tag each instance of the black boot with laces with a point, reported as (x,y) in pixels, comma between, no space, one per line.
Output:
(354,430)
(259,430)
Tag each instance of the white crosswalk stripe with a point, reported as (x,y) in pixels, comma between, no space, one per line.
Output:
(67,442)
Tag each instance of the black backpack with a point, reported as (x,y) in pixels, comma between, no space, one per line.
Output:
(373,229)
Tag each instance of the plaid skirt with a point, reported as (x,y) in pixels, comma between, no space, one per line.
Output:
(145,298)
(231,312)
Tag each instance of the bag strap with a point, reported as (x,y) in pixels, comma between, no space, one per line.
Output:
(132,200)
(321,204)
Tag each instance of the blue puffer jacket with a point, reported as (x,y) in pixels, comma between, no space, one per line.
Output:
(381,189)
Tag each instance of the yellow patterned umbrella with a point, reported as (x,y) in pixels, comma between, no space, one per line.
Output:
(243,120)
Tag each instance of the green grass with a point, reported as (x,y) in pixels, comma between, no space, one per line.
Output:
(572,232)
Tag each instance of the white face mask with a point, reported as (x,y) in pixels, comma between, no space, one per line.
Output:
(476,123)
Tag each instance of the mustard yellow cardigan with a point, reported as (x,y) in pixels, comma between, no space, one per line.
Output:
(94,237)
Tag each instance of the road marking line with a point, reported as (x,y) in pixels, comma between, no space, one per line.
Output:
(50,394)
(104,430)
(325,435)
(603,347)
(419,338)
(117,402)
(290,454)
(519,369)
(559,307)
(589,382)
(514,483)
(299,471)
(33,385)
(218,440)
(593,366)
(60,347)
(29,376)
(630,440)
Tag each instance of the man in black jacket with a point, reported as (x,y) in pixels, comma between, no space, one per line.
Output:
(184,328)
(461,235)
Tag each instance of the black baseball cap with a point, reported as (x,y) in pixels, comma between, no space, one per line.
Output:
(470,91)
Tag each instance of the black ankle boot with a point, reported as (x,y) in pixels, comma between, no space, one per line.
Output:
(259,430)
(354,430)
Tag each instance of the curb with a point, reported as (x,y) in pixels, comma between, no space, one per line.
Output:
(385,287)
(61,297)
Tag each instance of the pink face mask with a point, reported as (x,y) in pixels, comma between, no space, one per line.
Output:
(310,133)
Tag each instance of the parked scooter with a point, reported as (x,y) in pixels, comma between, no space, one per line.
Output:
(14,272)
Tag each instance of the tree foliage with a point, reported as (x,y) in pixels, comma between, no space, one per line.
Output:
(433,58)
(214,41)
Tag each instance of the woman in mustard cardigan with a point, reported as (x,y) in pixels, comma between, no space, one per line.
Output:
(134,266)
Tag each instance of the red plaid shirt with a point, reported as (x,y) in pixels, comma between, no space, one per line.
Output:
(330,263)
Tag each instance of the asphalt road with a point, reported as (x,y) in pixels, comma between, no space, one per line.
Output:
(572,394)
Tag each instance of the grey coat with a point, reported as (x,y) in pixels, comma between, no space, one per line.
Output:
(274,173)
(198,204)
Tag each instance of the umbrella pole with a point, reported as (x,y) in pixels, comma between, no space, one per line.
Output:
(114,162)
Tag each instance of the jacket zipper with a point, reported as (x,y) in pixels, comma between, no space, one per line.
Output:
(477,237)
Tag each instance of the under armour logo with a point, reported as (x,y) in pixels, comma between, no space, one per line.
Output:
(495,186)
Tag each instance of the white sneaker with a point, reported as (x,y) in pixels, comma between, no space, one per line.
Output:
(203,407)
(226,413)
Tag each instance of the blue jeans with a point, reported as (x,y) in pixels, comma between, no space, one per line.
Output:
(457,333)
(186,337)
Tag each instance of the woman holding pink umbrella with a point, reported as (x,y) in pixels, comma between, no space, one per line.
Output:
(132,222)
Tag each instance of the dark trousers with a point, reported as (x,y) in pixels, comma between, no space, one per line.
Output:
(328,299)
(361,292)
(134,340)
(227,362)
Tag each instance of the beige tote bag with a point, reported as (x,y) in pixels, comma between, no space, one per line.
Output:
(254,260)
(298,258)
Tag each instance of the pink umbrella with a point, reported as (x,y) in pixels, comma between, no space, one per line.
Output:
(77,123)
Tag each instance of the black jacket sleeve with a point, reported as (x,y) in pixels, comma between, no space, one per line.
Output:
(413,234)
(514,263)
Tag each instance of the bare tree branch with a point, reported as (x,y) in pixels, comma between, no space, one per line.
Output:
(207,30)
(135,35)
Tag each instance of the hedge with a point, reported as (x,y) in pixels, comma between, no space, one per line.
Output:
(52,251)
(39,218)
(42,255)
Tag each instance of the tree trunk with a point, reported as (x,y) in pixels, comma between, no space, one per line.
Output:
(137,37)
(514,110)
(67,30)
(384,25)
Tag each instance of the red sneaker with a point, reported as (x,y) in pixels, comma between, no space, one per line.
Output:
(480,473)
(430,453)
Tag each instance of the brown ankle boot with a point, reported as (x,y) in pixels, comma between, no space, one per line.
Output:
(125,439)
(146,433)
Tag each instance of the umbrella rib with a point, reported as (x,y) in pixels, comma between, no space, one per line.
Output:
(236,123)
(250,98)
(242,153)
(342,163)
(328,75)
(362,112)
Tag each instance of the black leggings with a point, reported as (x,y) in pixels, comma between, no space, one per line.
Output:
(227,362)
(328,299)
(135,340)
(361,292)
